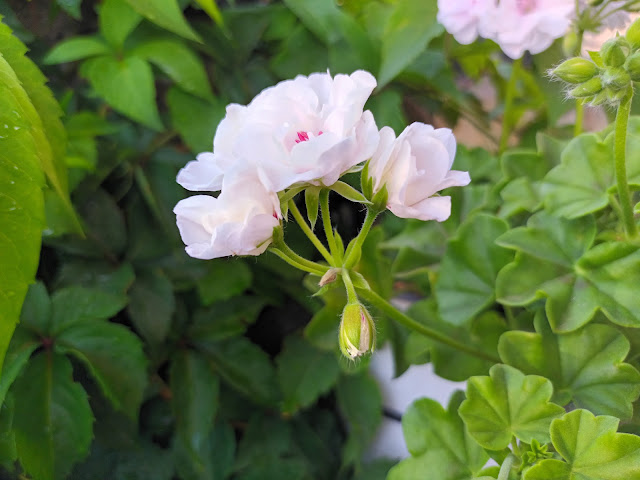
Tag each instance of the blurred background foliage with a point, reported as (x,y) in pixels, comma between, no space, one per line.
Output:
(134,361)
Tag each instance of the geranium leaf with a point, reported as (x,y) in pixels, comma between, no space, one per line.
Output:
(591,448)
(151,305)
(76,304)
(167,14)
(585,366)
(76,48)
(468,271)
(23,344)
(52,421)
(117,20)
(508,403)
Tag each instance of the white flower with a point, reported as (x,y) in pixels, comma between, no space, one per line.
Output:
(239,222)
(307,130)
(520,25)
(414,167)
(462,18)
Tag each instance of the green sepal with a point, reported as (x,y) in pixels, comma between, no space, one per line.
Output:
(311,200)
(347,191)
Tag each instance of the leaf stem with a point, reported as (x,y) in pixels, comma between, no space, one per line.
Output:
(505,469)
(310,235)
(326,223)
(294,263)
(355,246)
(508,104)
(620,153)
(385,307)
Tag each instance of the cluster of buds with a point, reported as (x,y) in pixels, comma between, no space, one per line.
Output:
(608,77)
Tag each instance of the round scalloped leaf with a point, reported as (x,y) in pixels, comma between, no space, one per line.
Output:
(508,403)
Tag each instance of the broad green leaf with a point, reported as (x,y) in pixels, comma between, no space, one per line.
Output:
(225,319)
(387,109)
(360,402)
(196,120)
(507,403)
(41,114)
(592,450)
(113,355)
(375,470)
(553,261)
(72,7)
(8,452)
(586,366)
(21,201)
(211,7)
(436,463)
(167,14)
(151,305)
(467,276)
(322,329)
(408,31)
(23,344)
(226,279)
(127,85)
(319,16)
(179,62)
(195,389)
(243,365)
(96,274)
(75,304)
(218,454)
(52,419)
(117,20)
(304,373)
(76,48)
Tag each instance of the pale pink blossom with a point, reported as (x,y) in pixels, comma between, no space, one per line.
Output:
(415,167)
(462,18)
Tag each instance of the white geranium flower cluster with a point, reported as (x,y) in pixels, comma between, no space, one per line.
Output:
(515,25)
(306,131)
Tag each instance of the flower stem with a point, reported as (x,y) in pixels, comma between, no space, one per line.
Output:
(385,307)
(355,246)
(577,128)
(296,264)
(508,104)
(352,297)
(620,152)
(310,235)
(505,469)
(326,223)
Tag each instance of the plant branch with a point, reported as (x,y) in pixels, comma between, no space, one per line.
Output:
(355,246)
(620,152)
(294,263)
(508,104)
(309,233)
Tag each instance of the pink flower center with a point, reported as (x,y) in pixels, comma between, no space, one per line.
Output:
(304,136)
(525,6)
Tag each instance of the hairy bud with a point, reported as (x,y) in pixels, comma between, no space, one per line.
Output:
(614,52)
(632,66)
(575,70)
(357,332)
(616,78)
(587,89)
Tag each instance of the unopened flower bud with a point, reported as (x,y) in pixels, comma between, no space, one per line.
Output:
(575,70)
(587,89)
(329,277)
(357,332)
(614,52)
(599,99)
(615,96)
(616,78)
(570,44)
(633,34)
(632,65)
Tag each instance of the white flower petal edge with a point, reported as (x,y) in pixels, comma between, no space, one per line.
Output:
(462,18)
(306,130)
(414,167)
(239,222)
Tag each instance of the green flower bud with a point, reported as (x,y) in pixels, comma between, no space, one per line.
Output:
(570,44)
(615,96)
(599,99)
(632,65)
(633,34)
(575,70)
(587,89)
(616,78)
(614,52)
(357,332)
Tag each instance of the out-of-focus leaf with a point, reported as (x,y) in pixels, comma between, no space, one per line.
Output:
(151,305)
(75,304)
(217,453)
(72,7)
(225,319)
(167,14)
(117,20)
(23,344)
(76,48)
(226,278)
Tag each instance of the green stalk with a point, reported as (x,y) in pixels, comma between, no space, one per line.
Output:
(355,246)
(508,104)
(577,128)
(505,469)
(310,235)
(385,307)
(620,153)
(352,297)
(326,223)
(296,264)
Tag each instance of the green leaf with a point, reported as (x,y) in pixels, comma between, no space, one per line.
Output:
(75,304)
(167,14)
(52,419)
(347,191)
(311,195)
(23,344)
(225,319)
(322,329)
(586,366)
(127,85)
(226,279)
(72,7)
(117,20)
(218,453)
(151,305)
(196,120)
(439,444)
(319,16)
(211,7)
(76,48)
(195,390)
(243,365)
(410,28)
(114,356)
(553,262)
(507,404)
(304,373)
(591,448)
(468,271)
(41,113)
(180,64)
